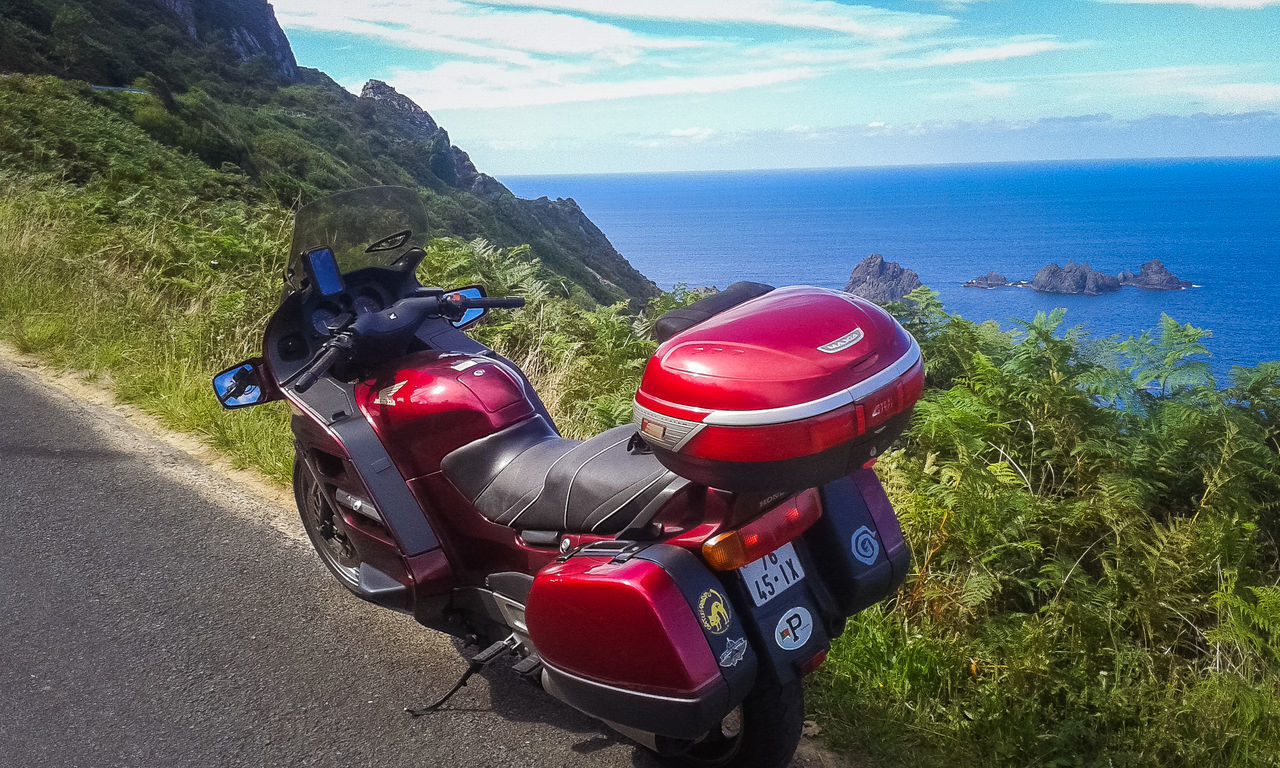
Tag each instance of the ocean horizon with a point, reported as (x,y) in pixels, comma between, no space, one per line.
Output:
(1214,222)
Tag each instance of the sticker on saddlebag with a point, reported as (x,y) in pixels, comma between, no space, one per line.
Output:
(713,612)
(793,629)
(734,650)
(866,547)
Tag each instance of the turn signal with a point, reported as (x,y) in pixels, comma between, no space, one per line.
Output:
(783,523)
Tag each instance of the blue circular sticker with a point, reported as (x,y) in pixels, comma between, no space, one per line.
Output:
(794,629)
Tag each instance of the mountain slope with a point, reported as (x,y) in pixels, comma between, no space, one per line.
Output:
(221,83)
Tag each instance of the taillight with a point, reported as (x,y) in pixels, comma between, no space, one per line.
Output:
(766,533)
(812,663)
(774,442)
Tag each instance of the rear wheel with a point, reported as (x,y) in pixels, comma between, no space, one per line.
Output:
(324,526)
(761,733)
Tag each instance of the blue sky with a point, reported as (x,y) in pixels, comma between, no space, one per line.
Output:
(579,86)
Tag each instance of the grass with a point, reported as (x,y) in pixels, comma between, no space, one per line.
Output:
(149,325)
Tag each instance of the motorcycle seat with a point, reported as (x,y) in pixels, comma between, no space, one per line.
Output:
(529,478)
(677,320)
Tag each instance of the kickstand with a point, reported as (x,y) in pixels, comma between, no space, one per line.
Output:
(477,663)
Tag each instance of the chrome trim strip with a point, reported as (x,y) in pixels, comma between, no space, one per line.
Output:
(692,433)
(357,504)
(616,689)
(679,431)
(822,404)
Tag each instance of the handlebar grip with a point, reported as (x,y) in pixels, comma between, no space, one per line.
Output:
(319,368)
(510,302)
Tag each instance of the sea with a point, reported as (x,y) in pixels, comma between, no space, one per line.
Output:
(1214,222)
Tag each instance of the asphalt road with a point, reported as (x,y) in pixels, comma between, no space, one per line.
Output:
(152,612)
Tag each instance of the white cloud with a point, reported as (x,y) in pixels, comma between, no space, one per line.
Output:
(958,5)
(1218,83)
(857,20)
(692,134)
(516,53)
(460,85)
(1238,94)
(978,90)
(1012,49)
(448,26)
(912,54)
(514,145)
(1237,5)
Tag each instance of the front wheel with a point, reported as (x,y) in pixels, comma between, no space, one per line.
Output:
(324,526)
(761,733)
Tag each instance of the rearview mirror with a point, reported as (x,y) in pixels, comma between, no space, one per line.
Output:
(240,386)
(470,315)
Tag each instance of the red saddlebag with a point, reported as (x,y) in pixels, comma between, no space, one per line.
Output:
(642,636)
(789,390)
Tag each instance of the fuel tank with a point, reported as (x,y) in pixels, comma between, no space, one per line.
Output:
(427,404)
(794,388)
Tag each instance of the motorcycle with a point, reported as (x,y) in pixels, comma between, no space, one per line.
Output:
(675,577)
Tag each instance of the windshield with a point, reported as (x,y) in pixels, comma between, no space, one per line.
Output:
(371,227)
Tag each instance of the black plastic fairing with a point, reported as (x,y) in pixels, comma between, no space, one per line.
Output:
(858,542)
(332,404)
(728,642)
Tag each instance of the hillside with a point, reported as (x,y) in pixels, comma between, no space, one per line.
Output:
(221,83)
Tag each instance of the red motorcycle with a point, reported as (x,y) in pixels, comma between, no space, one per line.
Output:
(675,577)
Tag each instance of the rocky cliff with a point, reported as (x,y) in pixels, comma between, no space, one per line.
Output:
(881,281)
(1154,276)
(1074,278)
(248,28)
(302,141)
(414,115)
(558,229)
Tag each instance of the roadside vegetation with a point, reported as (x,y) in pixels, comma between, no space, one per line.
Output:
(1093,521)
(1094,579)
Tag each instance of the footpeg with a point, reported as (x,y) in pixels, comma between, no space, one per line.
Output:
(529,665)
(494,651)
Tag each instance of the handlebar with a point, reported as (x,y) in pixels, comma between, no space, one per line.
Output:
(384,329)
(513,302)
(318,368)
(462,303)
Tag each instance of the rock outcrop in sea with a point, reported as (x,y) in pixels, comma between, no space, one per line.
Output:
(1074,278)
(1081,279)
(1154,276)
(992,279)
(881,281)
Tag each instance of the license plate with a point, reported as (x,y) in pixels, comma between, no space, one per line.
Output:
(772,574)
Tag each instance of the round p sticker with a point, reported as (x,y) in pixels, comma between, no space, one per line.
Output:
(794,629)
